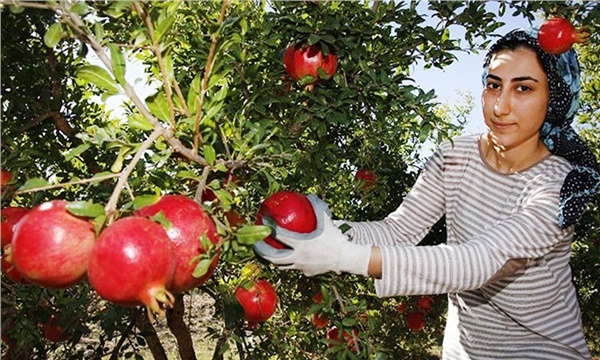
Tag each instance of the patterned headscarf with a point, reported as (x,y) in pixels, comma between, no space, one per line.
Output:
(581,184)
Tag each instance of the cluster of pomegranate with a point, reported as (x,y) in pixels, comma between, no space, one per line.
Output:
(134,261)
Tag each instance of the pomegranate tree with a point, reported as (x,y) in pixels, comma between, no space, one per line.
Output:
(51,246)
(188,224)
(290,210)
(300,61)
(557,35)
(133,263)
(258,299)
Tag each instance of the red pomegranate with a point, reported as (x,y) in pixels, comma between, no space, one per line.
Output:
(188,223)
(415,321)
(51,247)
(10,216)
(300,61)
(5,177)
(368,178)
(259,300)
(557,35)
(290,210)
(333,334)
(133,263)
(425,303)
(53,331)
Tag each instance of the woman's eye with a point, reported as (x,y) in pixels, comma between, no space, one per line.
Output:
(492,85)
(523,88)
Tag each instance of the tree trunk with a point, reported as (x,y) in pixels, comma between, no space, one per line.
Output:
(149,334)
(217,354)
(180,329)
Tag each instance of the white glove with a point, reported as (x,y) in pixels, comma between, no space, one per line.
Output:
(325,249)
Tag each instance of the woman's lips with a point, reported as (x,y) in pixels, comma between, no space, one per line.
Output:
(501,126)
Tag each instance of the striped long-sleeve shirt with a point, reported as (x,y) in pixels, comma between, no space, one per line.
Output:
(505,265)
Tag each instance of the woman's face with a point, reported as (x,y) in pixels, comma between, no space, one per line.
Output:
(515,98)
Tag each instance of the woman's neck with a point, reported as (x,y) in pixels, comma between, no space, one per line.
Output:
(509,161)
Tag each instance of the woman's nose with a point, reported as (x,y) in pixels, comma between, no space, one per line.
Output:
(502,105)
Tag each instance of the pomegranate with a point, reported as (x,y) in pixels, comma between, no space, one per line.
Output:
(367,178)
(415,321)
(333,334)
(402,308)
(557,35)
(320,320)
(318,298)
(290,210)
(133,263)
(5,177)
(53,331)
(234,218)
(425,303)
(51,247)
(10,217)
(300,61)
(188,223)
(259,300)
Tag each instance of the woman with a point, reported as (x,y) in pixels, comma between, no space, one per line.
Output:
(510,197)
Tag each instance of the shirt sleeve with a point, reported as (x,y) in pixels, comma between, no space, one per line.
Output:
(530,233)
(422,207)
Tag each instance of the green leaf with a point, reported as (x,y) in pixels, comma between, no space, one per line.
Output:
(53,35)
(322,74)
(85,209)
(349,322)
(98,223)
(98,76)
(213,109)
(424,132)
(210,154)
(313,39)
(202,268)
(160,218)
(143,200)
(220,95)
(248,235)
(158,106)
(76,151)
(15,9)
(118,63)
(163,27)
(33,183)
(139,121)
(101,174)
(80,8)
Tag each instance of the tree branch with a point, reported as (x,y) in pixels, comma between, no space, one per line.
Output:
(111,206)
(206,76)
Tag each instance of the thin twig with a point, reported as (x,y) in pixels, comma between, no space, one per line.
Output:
(206,76)
(111,206)
(200,188)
